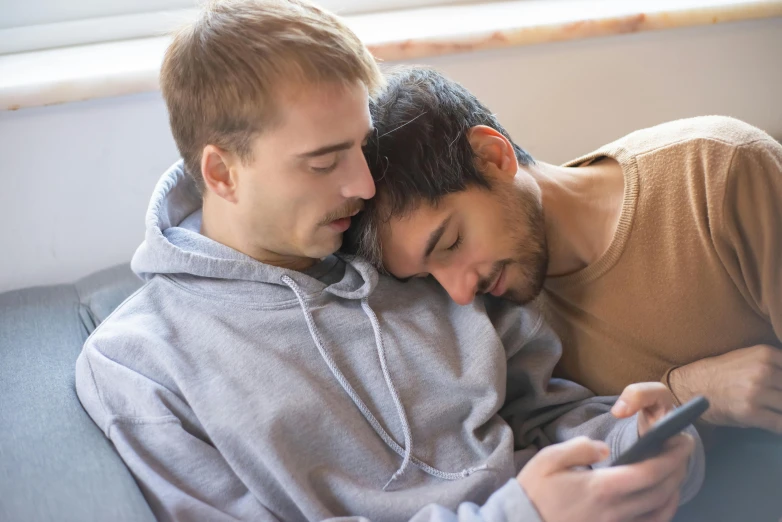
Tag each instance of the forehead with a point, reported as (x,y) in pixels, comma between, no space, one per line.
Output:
(308,112)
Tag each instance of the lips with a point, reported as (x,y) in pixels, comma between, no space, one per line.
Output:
(341,224)
(498,288)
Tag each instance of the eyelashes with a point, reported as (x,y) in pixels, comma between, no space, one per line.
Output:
(456,244)
(325,170)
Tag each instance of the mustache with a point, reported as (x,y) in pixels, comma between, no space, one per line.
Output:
(486,282)
(347,210)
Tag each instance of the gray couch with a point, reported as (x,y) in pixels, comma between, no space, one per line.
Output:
(56,465)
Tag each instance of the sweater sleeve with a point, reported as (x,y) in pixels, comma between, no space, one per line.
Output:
(185,478)
(543,410)
(182,476)
(508,503)
(748,237)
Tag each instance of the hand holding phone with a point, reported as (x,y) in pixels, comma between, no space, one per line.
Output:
(673,423)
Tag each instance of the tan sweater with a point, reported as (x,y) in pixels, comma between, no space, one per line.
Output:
(695,267)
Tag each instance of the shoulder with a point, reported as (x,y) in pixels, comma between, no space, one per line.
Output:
(754,179)
(124,369)
(704,131)
(718,128)
(144,313)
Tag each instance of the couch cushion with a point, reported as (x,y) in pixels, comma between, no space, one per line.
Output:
(743,477)
(55,464)
(101,292)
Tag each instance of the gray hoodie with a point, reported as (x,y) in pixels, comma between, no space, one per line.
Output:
(238,390)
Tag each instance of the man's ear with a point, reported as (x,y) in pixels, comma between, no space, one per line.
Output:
(217,168)
(493,151)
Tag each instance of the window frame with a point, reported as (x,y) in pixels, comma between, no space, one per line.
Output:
(104,28)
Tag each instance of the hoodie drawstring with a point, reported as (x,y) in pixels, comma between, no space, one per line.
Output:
(381,354)
(407,452)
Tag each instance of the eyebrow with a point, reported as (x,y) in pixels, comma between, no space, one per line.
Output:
(328,149)
(435,237)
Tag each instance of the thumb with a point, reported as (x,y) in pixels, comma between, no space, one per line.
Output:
(651,396)
(580,451)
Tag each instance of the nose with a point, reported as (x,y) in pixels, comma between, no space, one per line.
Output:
(461,283)
(359,183)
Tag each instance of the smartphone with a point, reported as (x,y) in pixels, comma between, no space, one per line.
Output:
(671,424)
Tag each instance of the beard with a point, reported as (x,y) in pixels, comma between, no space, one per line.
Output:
(526,222)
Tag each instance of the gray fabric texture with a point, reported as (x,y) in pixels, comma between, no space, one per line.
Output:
(55,465)
(100,293)
(237,390)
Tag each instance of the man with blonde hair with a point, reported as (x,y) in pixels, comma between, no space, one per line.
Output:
(256,376)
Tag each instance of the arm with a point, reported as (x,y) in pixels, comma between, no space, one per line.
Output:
(185,478)
(748,239)
(182,476)
(510,502)
(543,411)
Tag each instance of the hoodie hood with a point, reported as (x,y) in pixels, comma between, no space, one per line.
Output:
(174,246)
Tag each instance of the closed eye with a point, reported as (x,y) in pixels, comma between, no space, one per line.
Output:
(456,244)
(325,170)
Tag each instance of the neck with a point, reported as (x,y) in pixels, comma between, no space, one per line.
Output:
(582,207)
(218,226)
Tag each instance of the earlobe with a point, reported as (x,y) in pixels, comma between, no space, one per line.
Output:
(217,172)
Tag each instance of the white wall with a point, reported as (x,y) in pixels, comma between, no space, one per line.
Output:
(76,178)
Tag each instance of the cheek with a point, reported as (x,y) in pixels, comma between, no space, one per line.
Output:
(304,200)
(494,245)
(489,242)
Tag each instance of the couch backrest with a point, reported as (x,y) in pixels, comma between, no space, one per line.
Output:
(55,464)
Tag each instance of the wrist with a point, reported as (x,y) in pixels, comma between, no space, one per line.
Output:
(677,382)
(666,380)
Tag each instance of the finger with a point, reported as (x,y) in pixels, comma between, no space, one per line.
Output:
(678,449)
(647,474)
(775,383)
(771,399)
(768,363)
(768,420)
(666,513)
(580,451)
(774,379)
(652,500)
(651,396)
(772,355)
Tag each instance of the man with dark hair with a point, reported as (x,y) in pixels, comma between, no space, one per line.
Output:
(656,257)
(422,152)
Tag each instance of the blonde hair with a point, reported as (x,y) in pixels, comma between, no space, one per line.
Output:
(223,73)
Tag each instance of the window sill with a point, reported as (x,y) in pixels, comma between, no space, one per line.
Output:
(126,67)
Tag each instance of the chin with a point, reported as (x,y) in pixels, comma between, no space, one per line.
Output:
(526,289)
(518,295)
(521,296)
(324,248)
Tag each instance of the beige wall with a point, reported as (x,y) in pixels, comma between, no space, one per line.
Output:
(563,100)
(76,177)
